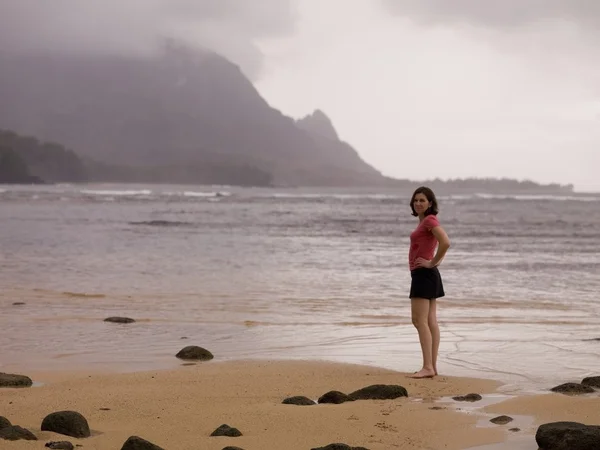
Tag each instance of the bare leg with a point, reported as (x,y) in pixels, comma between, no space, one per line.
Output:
(435,333)
(420,314)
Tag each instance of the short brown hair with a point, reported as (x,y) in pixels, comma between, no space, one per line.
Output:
(433,209)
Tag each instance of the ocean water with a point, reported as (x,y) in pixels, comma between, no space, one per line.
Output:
(295,273)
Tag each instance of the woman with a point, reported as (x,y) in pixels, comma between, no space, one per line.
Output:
(426,285)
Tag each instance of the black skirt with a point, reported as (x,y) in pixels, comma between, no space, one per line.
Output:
(426,283)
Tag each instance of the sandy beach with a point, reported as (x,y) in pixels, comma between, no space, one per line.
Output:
(179,409)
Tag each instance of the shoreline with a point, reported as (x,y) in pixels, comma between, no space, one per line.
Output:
(179,408)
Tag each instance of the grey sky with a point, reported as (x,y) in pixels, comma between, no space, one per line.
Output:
(449,89)
(502,14)
(421,88)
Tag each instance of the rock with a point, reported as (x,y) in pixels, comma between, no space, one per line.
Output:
(226,430)
(15,433)
(69,423)
(229,447)
(573,389)
(12,380)
(299,400)
(514,430)
(467,398)
(137,443)
(436,408)
(338,446)
(378,392)
(501,420)
(568,436)
(194,352)
(60,445)
(591,381)
(4,422)
(119,320)
(335,397)
(18,303)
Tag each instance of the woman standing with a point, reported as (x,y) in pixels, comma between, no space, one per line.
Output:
(426,281)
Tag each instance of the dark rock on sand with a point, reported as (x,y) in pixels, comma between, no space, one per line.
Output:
(568,436)
(573,389)
(194,352)
(18,303)
(69,423)
(137,443)
(15,433)
(335,397)
(12,380)
(60,445)
(119,320)
(514,430)
(338,446)
(501,420)
(299,400)
(4,422)
(467,398)
(226,430)
(232,448)
(378,392)
(591,381)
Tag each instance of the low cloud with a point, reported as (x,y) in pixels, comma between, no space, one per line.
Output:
(228,27)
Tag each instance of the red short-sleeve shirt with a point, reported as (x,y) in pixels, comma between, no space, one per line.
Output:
(422,241)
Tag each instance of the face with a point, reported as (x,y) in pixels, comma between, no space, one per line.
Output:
(421,203)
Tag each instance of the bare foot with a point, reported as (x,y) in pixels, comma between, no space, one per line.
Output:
(423,373)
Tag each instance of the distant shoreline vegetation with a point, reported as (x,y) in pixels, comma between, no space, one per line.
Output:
(27,160)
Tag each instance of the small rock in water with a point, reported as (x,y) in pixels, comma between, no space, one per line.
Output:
(69,423)
(194,352)
(12,380)
(573,389)
(119,320)
(591,381)
(60,445)
(514,430)
(501,420)
(568,436)
(226,430)
(16,433)
(137,443)
(467,398)
(299,400)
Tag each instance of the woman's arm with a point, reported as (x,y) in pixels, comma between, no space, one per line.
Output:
(443,245)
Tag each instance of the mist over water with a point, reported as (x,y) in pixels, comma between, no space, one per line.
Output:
(274,273)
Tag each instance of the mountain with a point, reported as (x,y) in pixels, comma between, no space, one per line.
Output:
(24,159)
(182,116)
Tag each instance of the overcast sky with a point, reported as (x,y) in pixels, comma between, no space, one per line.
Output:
(421,88)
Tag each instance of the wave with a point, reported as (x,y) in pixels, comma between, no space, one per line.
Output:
(205,194)
(161,223)
(116,192)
